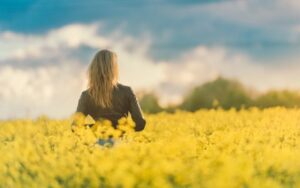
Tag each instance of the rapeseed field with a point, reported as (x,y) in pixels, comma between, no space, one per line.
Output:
(250,148)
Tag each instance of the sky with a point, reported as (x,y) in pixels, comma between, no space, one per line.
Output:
(163,46)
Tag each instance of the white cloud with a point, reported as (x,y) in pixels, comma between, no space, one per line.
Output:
(203,64)
(254,13)
(21,46)
(48,90)
(53,88)
(292,4)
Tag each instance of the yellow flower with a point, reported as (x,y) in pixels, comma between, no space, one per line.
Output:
(207,148)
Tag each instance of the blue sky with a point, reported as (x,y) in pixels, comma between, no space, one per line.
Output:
(164,46)
(176,25)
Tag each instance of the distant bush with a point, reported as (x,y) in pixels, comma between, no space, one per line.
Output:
(221,92)
(170,108)
(278,98)
(149,103)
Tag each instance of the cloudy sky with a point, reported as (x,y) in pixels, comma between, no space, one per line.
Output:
(165,46)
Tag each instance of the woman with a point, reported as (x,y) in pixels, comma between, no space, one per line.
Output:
(106,98)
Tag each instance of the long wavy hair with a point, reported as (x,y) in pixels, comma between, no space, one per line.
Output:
(103,77)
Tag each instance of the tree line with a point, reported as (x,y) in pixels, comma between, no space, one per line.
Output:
(223,93)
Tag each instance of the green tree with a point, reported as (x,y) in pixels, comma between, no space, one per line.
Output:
(149,103)
(283,98)
(221,92)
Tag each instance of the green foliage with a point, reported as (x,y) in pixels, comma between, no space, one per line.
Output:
(218,93)
(223,93)
(149,103)
(278,98)
(170,108)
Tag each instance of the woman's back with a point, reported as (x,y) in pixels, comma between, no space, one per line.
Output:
(124,101)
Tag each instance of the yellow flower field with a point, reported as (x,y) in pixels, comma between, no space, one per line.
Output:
(208,148)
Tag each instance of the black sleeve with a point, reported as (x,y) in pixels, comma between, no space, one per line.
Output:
(81,107)
(136,112)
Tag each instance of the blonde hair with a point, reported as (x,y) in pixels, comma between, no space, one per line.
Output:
(103,77)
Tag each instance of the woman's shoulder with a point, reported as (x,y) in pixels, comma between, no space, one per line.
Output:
(85,92)
(123,87)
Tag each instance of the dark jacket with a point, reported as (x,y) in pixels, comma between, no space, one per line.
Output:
(123,101)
